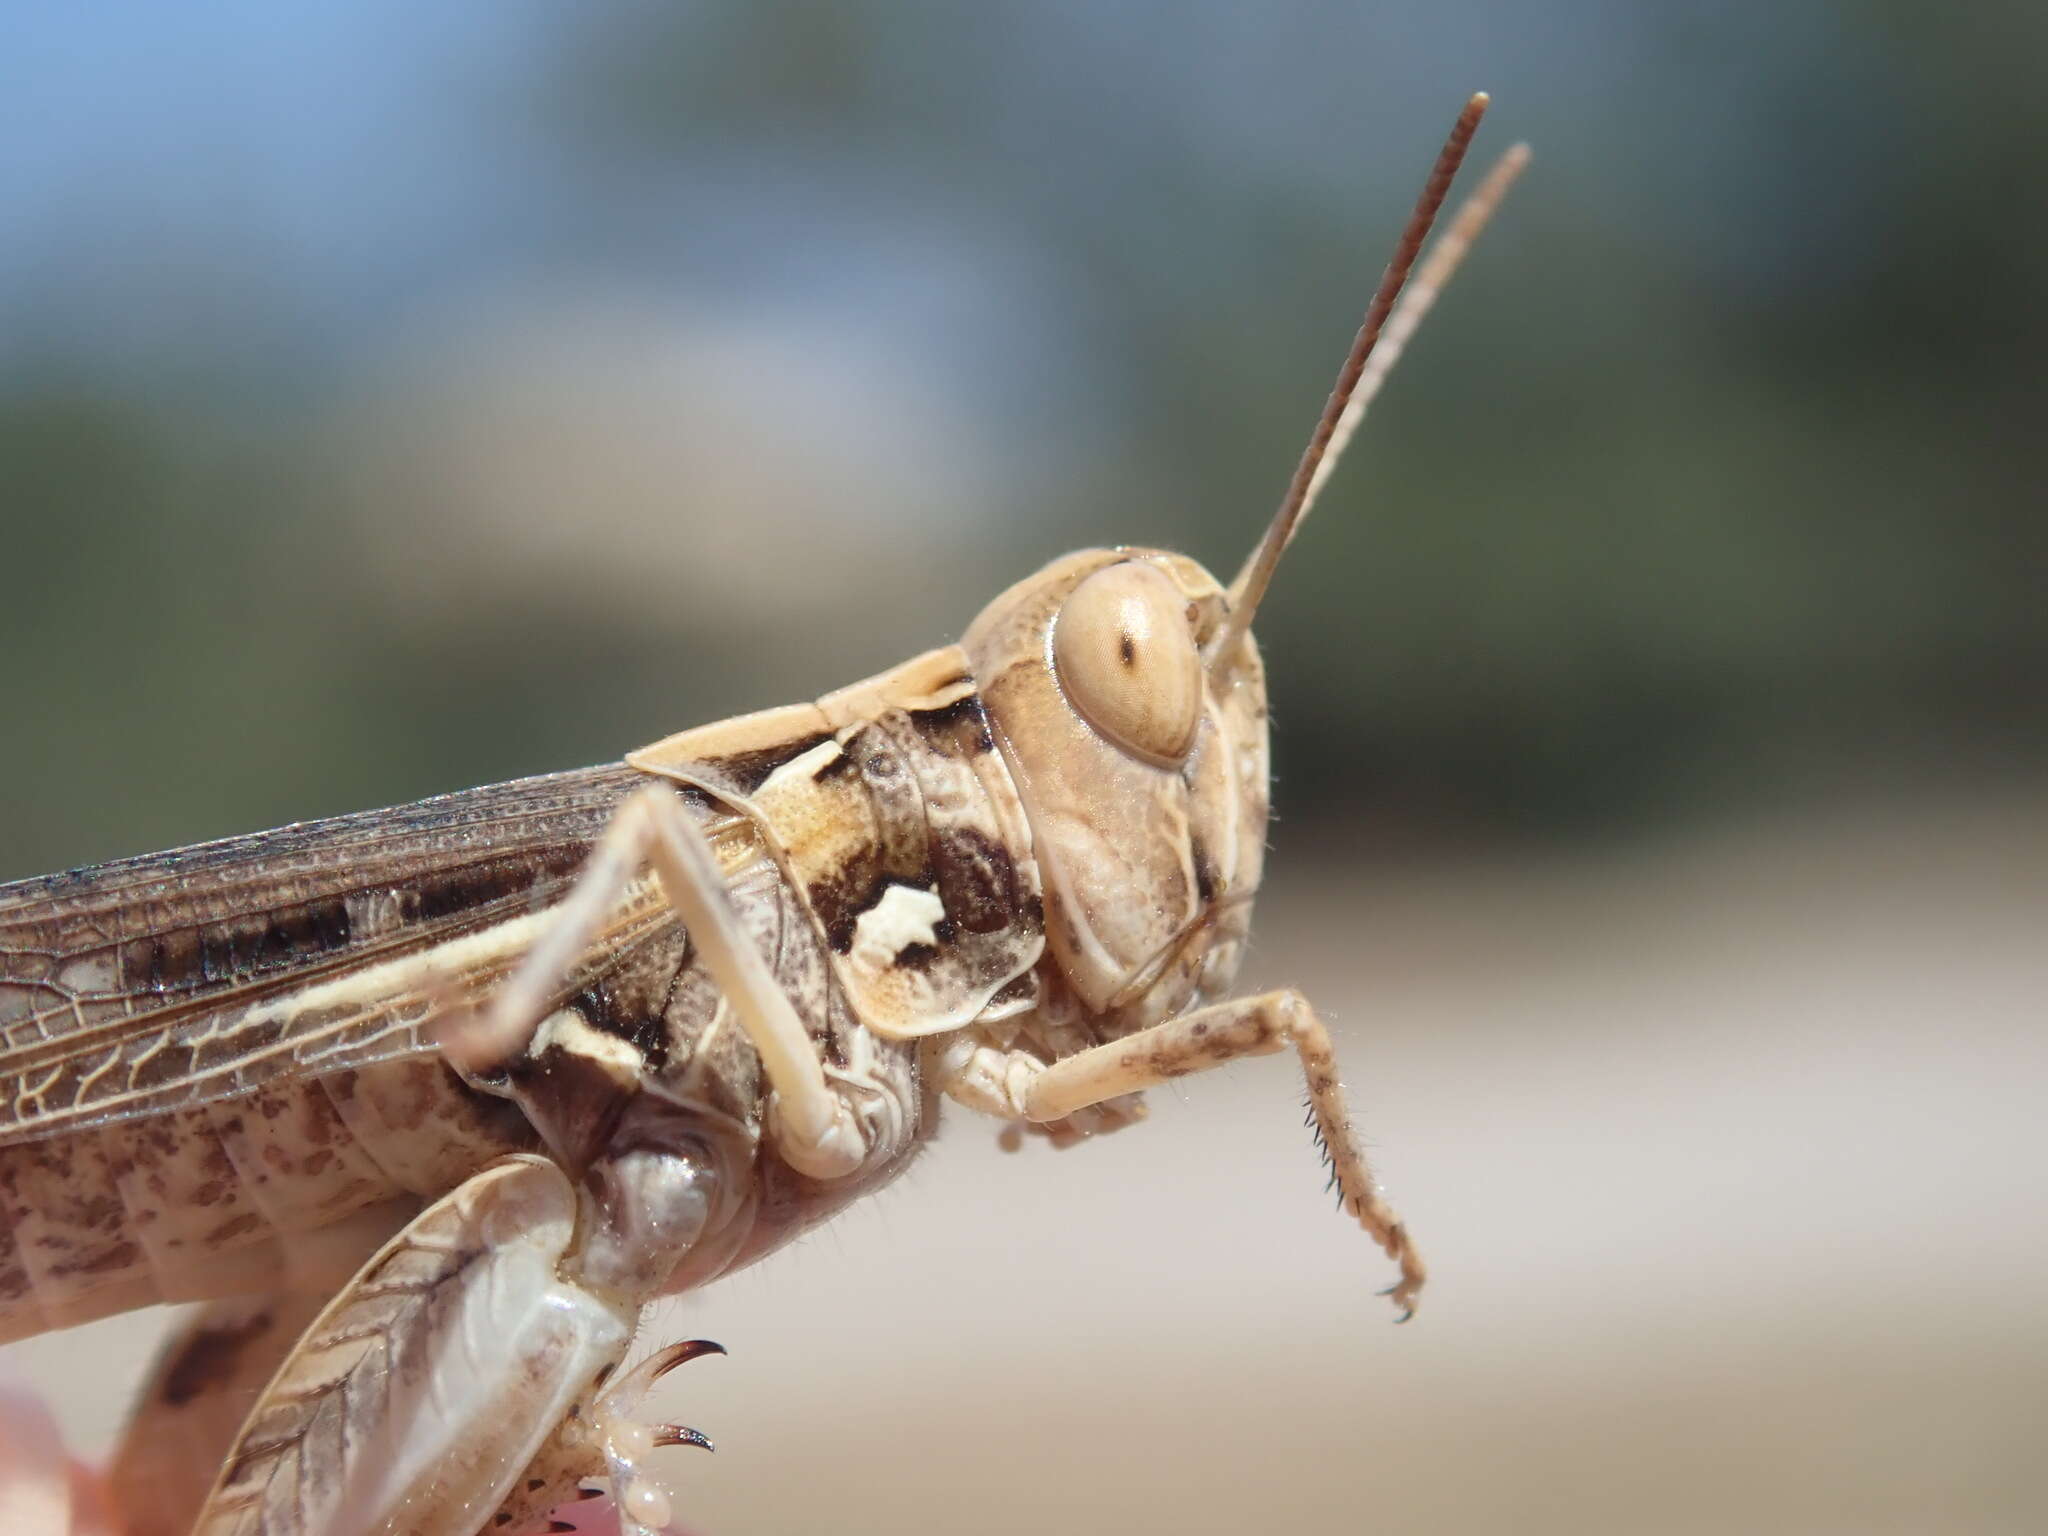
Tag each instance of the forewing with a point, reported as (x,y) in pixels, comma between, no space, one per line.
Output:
(193,975)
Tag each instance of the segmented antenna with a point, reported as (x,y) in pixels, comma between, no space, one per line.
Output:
(1430,279)
(1340,417)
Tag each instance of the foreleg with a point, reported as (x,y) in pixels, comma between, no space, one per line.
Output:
(1017,1084)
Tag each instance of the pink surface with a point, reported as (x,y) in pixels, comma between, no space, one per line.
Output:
(44,1492)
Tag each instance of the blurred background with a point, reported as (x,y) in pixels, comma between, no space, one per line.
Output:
(395,398)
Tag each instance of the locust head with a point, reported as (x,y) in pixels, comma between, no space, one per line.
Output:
(1139,750)
(1129,702)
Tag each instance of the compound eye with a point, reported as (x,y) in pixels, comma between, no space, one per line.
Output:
(1125,658)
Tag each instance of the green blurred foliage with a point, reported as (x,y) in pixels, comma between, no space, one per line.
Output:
(1716,477)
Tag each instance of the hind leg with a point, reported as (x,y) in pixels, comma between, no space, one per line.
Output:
(473,1346)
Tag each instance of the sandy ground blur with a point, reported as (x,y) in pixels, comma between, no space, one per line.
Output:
(1726,1154)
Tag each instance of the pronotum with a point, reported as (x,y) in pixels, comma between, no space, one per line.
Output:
(425,1105)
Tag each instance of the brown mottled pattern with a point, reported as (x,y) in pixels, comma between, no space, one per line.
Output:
(295,1157)
(929,806)
(424,1138)
(892,848)
(974,821)
(237,1194)
(154,1144)
(139,984)
(187,1204)
(178,1122)
(263,1192)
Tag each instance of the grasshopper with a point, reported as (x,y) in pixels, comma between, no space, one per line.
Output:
(426,1105)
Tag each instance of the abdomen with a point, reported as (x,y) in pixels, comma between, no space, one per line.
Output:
(286,1188)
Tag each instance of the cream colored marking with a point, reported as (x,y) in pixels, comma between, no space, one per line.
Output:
(906,914)
(620,1060)
(35,1094)
(149,1052)
(804,767)
(113,1059)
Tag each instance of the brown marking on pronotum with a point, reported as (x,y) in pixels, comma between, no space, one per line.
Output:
(841,901)
(750,770)
(838,909)
(940,724)
(837,766)
(976,877)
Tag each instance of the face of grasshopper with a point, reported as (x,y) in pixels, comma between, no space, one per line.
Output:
(1142,763)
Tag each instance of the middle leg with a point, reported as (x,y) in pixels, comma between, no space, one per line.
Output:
(817,1130)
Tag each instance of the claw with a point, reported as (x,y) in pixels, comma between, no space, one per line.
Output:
(662,1361)
(1403,1298)
(644,1507)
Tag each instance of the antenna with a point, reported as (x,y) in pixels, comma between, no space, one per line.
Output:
(1355,386)
(1429,281)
